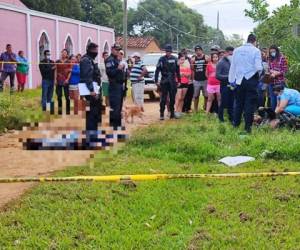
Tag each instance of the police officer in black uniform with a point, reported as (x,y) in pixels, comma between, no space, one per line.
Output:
(89,73)
(115,70)
(169,69)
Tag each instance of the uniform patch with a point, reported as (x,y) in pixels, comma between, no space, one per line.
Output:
(109,64)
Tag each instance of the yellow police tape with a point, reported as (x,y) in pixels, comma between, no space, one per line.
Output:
(144,177)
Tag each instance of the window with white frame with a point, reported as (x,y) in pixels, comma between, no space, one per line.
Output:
(69,45)
(44,44)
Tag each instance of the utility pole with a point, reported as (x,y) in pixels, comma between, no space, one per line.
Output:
(177,36)
(218,21)
(218,26)
(125,36)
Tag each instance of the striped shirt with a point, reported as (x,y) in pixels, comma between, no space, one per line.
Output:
(136,72)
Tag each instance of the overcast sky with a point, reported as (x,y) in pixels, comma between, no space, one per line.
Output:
(232,18)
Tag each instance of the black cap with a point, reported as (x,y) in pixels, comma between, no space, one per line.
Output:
(198,47)
(168,48)
(116,46)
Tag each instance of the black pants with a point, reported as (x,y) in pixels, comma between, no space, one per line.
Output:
(188,99)
(227,101)
(3,77)
(167,88)
(93,113)
(59,90)
(246,99)
(116,94)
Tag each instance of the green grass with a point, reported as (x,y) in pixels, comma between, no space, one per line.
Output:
(19,109)
(253,213)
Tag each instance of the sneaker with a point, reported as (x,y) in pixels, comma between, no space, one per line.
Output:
(162,118)
(172,116)
(177,115)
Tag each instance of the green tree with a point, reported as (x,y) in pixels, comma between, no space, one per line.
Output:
(67,8)
(279,27)
(168,20)
(234,40)
(101,12)
(294,3)
(259,10)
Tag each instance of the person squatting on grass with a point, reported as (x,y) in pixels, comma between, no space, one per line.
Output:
(137,73)
(169,69)
(288,100)
(213,84)
(183,84)
(245,70)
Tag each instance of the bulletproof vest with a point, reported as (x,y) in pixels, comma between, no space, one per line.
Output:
(168,67)
(97,73)
(200,68)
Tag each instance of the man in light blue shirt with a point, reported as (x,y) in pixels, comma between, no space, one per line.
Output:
(244,73)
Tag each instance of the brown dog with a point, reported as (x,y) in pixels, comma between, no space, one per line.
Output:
(131,111)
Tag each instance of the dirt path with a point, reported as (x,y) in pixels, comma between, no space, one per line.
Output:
(17,162)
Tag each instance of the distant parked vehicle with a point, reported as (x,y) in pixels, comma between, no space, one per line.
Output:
(150,61)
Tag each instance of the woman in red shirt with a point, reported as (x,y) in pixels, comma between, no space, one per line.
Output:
(213,84)
(185,74)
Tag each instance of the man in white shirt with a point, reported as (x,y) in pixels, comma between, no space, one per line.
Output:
(244,72)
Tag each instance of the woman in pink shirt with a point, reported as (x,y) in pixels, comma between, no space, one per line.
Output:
(185,74)
(213,84)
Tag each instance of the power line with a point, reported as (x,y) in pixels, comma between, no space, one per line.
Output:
(167,24)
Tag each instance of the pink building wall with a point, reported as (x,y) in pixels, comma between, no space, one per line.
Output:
(38,26)
(23,27)
(88,33)
(11,33)
(66,30)
(106,37)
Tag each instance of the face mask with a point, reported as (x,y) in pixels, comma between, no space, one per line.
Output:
(229,58)
(48,57)
(273,54)
(92,54)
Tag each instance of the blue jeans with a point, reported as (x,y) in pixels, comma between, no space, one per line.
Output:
(273,97)
(47,92)
(293,109)
(262,89)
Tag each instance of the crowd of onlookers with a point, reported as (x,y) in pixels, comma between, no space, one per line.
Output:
(239,80)
(16,65)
